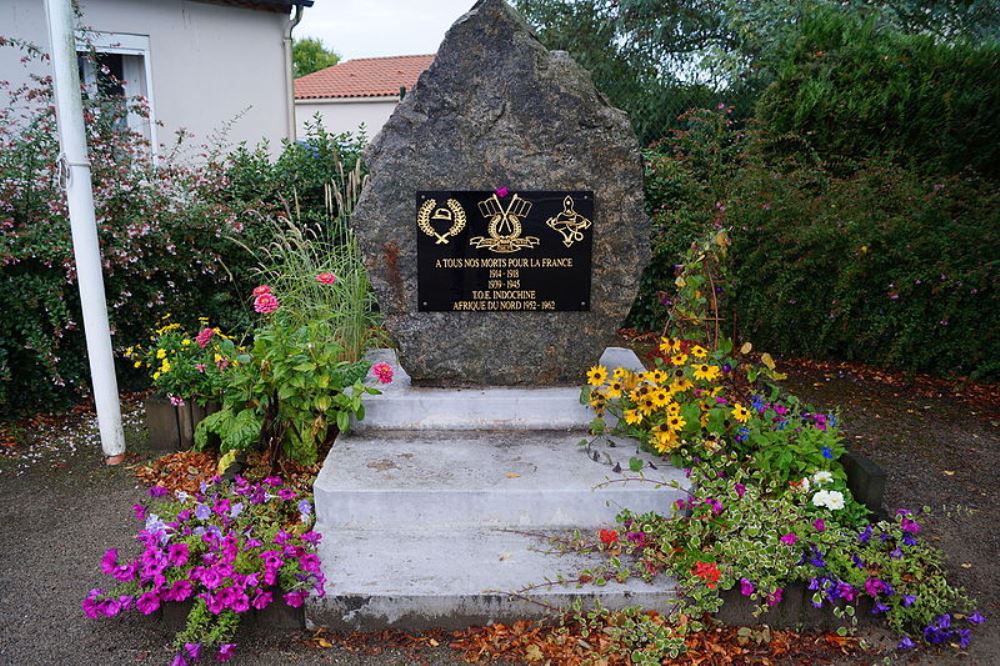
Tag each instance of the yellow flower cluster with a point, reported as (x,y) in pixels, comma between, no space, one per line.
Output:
(660,401)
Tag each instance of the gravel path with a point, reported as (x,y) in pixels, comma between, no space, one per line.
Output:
(61,508)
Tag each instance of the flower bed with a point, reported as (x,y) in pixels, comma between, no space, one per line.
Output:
(769,512)
(228,549)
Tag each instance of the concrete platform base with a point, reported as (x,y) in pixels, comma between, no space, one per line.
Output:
(435,508)
(417,580)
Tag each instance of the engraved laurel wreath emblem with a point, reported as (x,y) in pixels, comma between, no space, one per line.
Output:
(453,213)
(504,226)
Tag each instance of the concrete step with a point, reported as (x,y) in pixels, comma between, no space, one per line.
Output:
(437,479)
(494,408)
(414,580)
(402,406)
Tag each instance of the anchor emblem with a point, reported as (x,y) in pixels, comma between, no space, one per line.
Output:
(504,226)
(569,223)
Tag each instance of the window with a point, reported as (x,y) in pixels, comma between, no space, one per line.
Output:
(118,65)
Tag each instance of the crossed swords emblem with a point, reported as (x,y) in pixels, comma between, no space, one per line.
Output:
(504,226)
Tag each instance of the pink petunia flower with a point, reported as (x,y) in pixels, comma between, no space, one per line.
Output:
(326,278)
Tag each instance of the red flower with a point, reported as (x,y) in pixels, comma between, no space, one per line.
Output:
(608,537)
(326,278)
(261,290)
(708,572)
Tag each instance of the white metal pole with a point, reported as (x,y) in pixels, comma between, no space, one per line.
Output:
(80,199)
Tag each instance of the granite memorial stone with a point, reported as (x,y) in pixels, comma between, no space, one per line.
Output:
(503,224)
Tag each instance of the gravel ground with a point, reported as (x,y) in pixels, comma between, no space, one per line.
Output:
(60,508)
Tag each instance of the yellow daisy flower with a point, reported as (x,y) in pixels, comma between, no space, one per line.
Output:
(615,389)
(668,346)
(679,358)
(664,442)
(632,417)
(156,375)
(676,423)
(658,376)
(619,373)
(137,364)
(680,386)
(699,352)
(701,371)
(186,342)
(673,409)
(741,413)
(660,397)
(160,353)
(647,405)
(597,375)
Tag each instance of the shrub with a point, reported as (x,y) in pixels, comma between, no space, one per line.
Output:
(855,88)
(883,265)
(165,229)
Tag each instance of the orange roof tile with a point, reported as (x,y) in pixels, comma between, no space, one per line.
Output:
(363,77)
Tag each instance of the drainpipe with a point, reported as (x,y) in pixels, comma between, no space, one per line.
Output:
(289,74)
(75,166)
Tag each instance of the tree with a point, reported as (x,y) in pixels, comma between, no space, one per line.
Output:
(311,55)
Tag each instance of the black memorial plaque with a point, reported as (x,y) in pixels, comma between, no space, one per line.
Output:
(504,251)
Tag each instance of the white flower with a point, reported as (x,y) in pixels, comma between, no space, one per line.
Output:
(835,500)
(821,498)
(804,484)
(819,478)
(831,499)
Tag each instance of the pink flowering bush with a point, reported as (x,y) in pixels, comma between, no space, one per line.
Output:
(229,549)
(171,230)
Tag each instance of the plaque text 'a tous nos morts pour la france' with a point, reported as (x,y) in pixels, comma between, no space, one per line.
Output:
(504,251)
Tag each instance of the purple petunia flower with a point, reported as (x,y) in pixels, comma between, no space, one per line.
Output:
(158,491)
(746,587)
(193,650)
(139,511)
(178,660)
(789,539)
(906,643)
(976,618)
(908,600)
(819,525)
(865,535)
(226,651)
(202,512)
(740,490)
(148,603)
(827,453)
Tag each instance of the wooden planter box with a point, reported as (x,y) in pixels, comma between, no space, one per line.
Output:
(794,611)
(172,428)
(866,481)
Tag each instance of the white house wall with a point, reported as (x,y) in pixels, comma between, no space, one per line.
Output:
(345,115)
(210,64)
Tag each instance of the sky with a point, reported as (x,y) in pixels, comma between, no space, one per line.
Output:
(368,28)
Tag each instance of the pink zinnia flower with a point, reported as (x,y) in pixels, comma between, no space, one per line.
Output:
(326,278)
(265,303)
(205,335)
(383,371)
(261,290)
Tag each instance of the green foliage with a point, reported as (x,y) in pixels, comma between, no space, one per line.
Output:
(311,55)
(183,366)
(882,265)
(291,392)
(855,88)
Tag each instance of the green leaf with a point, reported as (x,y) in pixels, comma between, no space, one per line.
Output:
(635,464)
